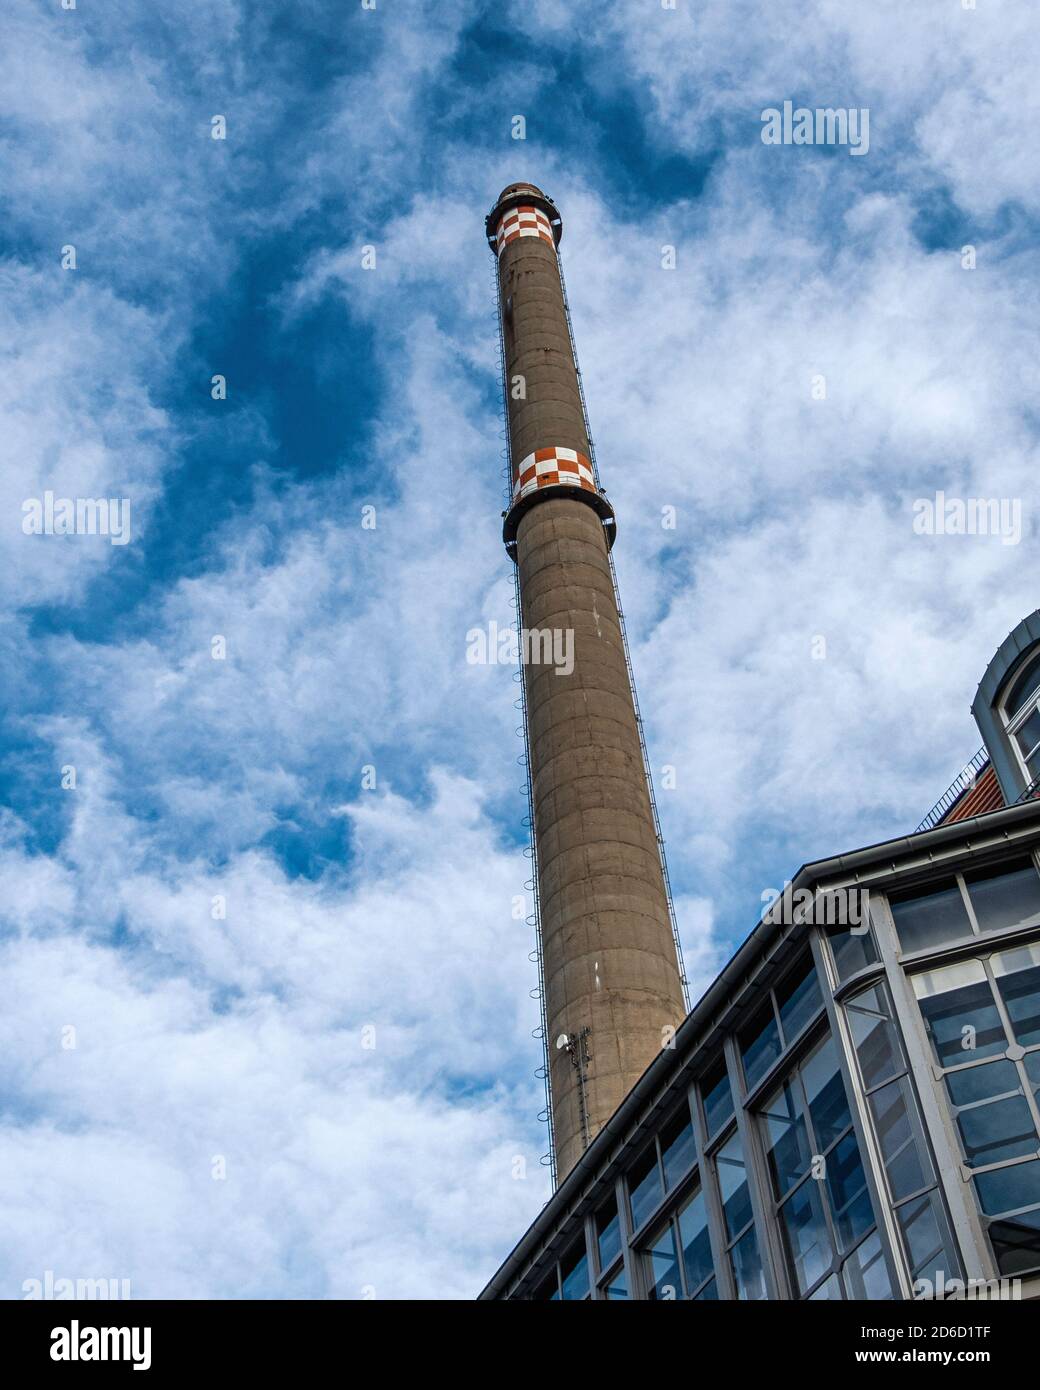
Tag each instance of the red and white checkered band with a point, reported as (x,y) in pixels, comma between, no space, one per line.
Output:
(552,468)
(519,222)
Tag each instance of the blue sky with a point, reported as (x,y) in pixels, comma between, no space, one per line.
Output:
(357,915)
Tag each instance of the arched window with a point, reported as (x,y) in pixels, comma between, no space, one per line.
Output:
(1020,709)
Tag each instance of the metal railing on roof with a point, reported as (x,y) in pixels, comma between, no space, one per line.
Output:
(962,783)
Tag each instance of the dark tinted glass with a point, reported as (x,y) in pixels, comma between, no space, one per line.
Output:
(678,1147)
(617,1288)
(852,947)
(930,916)
(847,1188)
(920,1227)
(877,1047)
(973,1084)
(1006,896)
(736,1199)
(608,1234)
(806,1239)
(825,1089)
(718,1099)
(1022,687)
(709,1294)
(760,1046)
(747,1268)
(903,1160)
(1006,1189)
(786,1139)
(696,1245)
(1016,1242)
(575,1275)
(998,1130)
(960,1014)
(644,1186)
(800,1000)
(662,1264)
(1018,979)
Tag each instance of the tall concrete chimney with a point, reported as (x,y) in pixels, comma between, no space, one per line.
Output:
(610,972)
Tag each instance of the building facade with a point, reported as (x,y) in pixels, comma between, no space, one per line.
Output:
(852,1109)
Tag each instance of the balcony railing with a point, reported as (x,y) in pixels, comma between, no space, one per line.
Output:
(962,783)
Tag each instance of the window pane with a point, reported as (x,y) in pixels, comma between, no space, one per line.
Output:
(1032,1066)
(1016,1242)
(877,1047)
(747,1268)
(645,1191)
(806,1239)
(1006,896)
(1028,735)
(853,948)
(847,1187)
(616,1288)
(825,1089)
(828,1290)
(930,916)
(904,1163)
(800,1000)
(608,1234)
(709,1294)
(576,1275)
(972,1084)
(786,1140)
(736,1200)
(696,1245)
(865,1273)
(998,1130)
(662,1268)
(1007,1189)
(960,1013)
(718,1099)
(678,1147)
(1018,979)
(1024,686)
(760,1046)
(920,1227)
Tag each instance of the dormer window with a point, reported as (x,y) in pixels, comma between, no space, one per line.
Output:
(1021,713)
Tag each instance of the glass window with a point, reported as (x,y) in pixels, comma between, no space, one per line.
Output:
(644,1186)
(616,1287)
(930,916)
(1023,687)
(1005,896)
(806,1235)
(709,1294)
(678,1147)
(662,1267)
(960,1014)
(575,1271)
(1027,736)
(760,1046)
(877,1047)
(696,1244)
(830,1289)
(1007,1189)
(736,1199)
(919,1223)
(865,1272)
(825,1092)
(1016,1242)
(608,1233)
(1017,974)
(747,1268)
(852,947)
(786,1139)
(718,1098)
(847,1188)
(905,1162)
(799,1000)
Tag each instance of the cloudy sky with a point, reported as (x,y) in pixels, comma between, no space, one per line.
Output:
(267,1026)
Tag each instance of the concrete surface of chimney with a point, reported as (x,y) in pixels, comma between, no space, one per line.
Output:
(610,972)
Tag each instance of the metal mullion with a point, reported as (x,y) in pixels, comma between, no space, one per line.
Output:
(968,904)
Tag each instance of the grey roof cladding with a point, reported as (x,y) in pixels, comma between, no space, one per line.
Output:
(1014,646)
